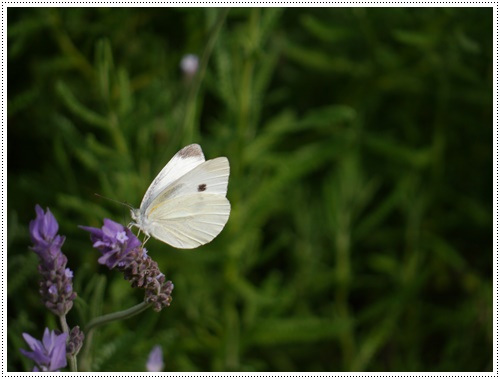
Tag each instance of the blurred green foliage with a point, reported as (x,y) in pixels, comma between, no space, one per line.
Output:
(360,143)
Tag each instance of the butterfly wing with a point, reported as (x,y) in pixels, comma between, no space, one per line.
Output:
(186,222)
(181,163)
(193,210)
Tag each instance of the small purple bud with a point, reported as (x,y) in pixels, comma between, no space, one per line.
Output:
(155,360)
(121,237)
(53,289)
(189,65)
(69,273)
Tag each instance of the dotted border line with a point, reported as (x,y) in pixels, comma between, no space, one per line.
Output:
(4,199)
(305,375)
(495,190)
(238,3)
(495,4)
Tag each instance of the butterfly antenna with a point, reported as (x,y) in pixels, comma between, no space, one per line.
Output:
(115,201)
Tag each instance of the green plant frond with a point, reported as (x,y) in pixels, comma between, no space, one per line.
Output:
(104,68)
(22,101)
(285,172)
(24,267)
(327,32)
(418,158)
(279,332)
(91,117)
(110,351)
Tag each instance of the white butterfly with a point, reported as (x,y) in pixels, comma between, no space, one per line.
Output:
(186,205)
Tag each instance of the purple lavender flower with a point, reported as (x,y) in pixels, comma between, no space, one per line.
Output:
(121,250)
(56,286)
(114,241)
(49,354)
(47,244)
(155,360)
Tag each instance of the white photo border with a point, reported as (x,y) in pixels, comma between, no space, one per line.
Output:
(274,375)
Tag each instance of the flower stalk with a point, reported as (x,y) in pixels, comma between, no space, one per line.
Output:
(121,315)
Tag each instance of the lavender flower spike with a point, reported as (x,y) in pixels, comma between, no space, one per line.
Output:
(155,360)
(56,286)
(48,354)
(121,250)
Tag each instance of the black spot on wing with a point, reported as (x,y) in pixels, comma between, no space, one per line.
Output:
(202,187)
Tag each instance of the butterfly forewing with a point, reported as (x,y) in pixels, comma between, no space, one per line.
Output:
(181,163)
(210,177)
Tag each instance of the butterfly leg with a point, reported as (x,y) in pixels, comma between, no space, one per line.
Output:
(146,235)
(146,238)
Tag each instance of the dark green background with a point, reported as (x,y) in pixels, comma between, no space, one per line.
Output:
(360,144)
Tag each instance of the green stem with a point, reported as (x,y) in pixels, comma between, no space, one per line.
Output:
(101,320)
(190,114)
(72,359)
(122,315)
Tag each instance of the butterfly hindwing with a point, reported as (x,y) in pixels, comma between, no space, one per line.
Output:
(190,220)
